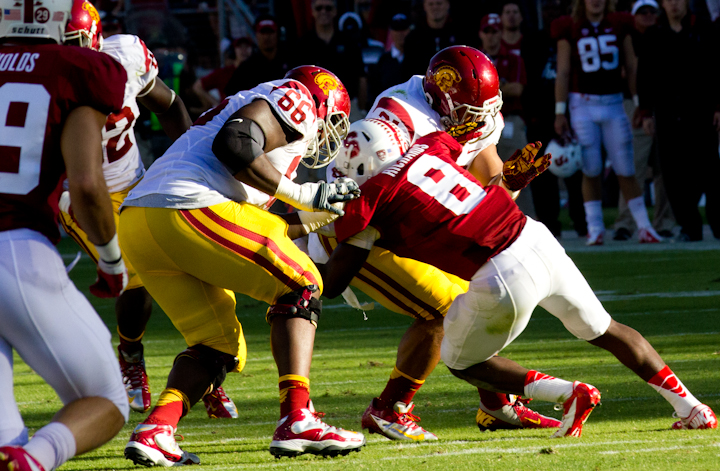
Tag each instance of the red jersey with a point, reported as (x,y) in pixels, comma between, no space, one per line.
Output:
(428,208)
(39,86)
(596,51)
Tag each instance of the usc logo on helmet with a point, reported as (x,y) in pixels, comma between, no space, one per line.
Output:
(446,77)
(94,15)
(326,82)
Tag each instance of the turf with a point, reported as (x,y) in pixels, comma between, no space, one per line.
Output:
(670,295)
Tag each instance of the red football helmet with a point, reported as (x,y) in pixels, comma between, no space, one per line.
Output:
(332,103)
(84,28)
(461,84)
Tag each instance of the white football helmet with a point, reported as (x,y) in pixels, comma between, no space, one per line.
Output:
(371,146)
(566,160)
(47,19)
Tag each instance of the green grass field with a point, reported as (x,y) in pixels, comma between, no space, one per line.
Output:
(671,294)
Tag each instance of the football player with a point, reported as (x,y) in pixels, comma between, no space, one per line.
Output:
(197,229)
(459,93)
(53,102)
(592,47)
(123,168)
(426,207)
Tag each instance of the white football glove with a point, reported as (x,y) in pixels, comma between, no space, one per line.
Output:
(318,196)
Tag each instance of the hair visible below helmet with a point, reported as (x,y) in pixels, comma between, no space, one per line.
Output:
(332,103)
(566,159)
(371,146)
(84,28)
(462,85)
(47,19)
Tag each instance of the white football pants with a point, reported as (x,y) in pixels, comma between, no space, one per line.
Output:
(533,271)
(601,120)
(53,328)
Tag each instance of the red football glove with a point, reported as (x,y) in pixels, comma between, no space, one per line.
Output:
(112,279)
(465,132)
(522,167)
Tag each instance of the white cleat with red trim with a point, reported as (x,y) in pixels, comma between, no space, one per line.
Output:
(647,235)
(155,445)
(701,417)
(15,458)
(302,431)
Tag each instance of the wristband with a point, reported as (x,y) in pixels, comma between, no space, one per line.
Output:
(299,196)
(560,107)
(636,100)
(110,252)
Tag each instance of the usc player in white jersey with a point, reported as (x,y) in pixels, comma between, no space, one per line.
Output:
(123,168)
(459,93)
(197,230)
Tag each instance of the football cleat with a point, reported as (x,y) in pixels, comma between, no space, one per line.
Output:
(15,458)
(155,445)
(576,409)
(512,416)
(219,405)
(701,417)
(597,238)
(302,431)
(135,378)
(647,235)
(397,423)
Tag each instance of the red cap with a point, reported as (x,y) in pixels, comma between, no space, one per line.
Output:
(490,21)
(266,24)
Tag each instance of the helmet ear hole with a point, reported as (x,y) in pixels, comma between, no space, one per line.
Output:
(365,135)
(361,170)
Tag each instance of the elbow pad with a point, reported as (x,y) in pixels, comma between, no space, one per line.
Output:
(238,143)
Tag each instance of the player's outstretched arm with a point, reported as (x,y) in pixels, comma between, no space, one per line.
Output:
(242,144)
(345,261)
(168,107)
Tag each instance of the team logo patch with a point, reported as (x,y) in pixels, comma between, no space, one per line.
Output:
(446,77)
(381,154)
(326,82)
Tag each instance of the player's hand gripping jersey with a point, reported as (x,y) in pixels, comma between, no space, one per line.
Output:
(596,52)
(190,176)
(122,165)
(39,87)
(406,106)
(428,208)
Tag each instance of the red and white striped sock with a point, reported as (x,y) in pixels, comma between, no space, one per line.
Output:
(674,391)
(547,388)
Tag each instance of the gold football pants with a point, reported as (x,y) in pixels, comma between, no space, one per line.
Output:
(193,261)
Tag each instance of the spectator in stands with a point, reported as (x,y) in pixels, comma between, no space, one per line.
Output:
(511,19)
(355,31)
(435,33)
(511,72)
(270,61)
(389,70)
(211,88)
(645,13)
(539,52)
(684,114)
(324,46)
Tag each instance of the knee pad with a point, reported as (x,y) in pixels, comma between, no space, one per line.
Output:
(299,303)
(215,362)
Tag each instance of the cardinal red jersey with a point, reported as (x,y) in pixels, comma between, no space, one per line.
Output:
(39,86)
(428,208)
(596,51)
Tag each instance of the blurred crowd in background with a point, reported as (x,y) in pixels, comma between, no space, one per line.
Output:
(205,55)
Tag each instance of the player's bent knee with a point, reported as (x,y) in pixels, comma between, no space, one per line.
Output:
(215,362)
(298,303)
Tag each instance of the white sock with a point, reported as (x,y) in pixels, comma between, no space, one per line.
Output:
(639,212)
(674,391)
(547,388)
(52,445)
(594,216)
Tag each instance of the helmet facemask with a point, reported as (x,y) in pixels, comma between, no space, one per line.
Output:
(331,132)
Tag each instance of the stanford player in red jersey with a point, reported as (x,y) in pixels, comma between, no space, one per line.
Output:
(593,46)
(424,206)
(53,104)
